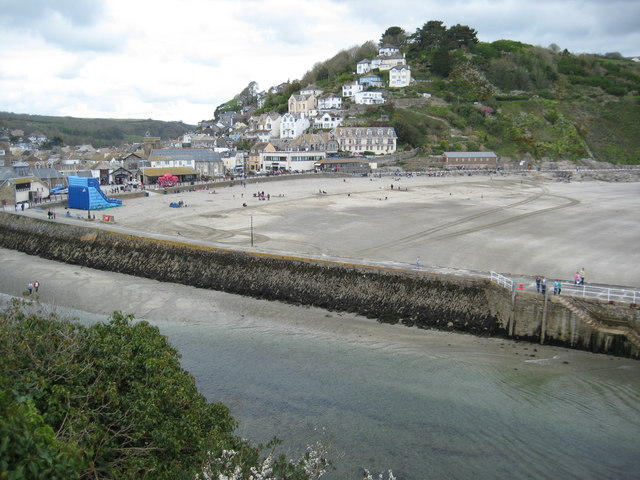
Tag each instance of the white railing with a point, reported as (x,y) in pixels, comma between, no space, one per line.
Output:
(605,293)
(501,280)
(617,294)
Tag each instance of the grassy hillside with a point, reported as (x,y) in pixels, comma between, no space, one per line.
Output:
(510,97)
(99,132)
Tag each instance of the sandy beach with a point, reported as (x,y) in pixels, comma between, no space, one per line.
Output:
(494,399)
(520,224)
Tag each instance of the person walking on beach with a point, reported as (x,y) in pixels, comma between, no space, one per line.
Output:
(36,285)
(418,262)
(543,286)
(582,274)
(30,287)
(538,282)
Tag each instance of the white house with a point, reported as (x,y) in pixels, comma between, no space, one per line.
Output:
(363,66)
(329,102)
(293,124)
(387,62)
(350,89)
(311,90)
(400,76)
(327,120)
(369,98)
(269,122)
(388,50)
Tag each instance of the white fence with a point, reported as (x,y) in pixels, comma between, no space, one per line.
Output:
(617,294)
(605,293)
(502,280)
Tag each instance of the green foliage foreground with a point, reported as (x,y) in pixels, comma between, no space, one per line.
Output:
(112,401)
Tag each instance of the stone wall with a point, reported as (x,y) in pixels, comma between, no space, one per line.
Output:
(414,299)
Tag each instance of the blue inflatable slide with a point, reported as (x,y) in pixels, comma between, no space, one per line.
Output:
(85,194)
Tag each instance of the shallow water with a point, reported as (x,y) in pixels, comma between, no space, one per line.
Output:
(422,415)
(423,404)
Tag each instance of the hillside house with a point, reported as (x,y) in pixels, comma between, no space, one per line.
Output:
(302,103)
(350,89)
(203,140)
(370,81)
(400,76)
(369,98)
(363,66)
(269,122)
(329,101)
(388,50)
(327,121)
(311,90)
(387,62)
(293,124)
(379,140)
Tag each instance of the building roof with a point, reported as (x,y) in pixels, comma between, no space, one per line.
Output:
(23,180)
(46,173)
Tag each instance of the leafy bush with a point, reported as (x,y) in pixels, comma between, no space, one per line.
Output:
(108,401)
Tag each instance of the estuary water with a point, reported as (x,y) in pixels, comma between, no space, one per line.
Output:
(424,404)
(424,415)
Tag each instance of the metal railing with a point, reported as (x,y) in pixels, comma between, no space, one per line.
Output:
(618,294)
(501,280)
(606,293)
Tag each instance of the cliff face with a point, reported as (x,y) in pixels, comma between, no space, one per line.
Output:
(410,298)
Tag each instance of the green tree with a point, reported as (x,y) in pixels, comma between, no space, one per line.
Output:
(430,36)
(393,36)
(460,36)
(442,63)
(111,401)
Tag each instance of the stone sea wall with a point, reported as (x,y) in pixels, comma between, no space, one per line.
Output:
(413,299)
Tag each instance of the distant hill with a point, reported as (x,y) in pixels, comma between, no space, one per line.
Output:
(98,132)
(516,99)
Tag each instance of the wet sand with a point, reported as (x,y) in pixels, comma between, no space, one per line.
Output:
(100,293)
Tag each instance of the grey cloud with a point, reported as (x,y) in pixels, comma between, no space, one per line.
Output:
(77,12)
(74,25)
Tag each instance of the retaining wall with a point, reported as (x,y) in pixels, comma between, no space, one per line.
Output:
(414,299)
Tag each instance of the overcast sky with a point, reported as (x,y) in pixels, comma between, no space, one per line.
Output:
(179,60)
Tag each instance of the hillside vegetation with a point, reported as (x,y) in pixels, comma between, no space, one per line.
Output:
(98,132)
(514,98)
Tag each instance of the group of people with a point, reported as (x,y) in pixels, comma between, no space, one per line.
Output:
(578,278)
(51,215)
(541,286)
(31,286)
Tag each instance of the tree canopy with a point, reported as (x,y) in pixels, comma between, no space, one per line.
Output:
(110,401)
